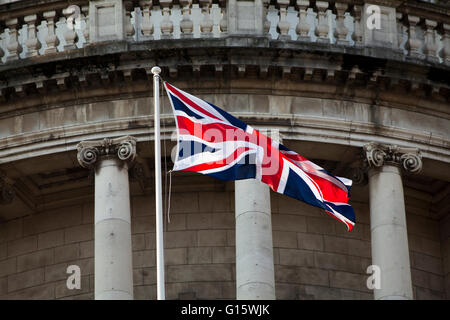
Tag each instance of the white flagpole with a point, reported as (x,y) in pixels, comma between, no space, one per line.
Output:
(160,283)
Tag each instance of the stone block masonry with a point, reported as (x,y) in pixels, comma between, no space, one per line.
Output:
(314,257)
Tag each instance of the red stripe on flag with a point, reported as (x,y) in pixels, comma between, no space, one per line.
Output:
(330,191)
(213,132)
(292,156)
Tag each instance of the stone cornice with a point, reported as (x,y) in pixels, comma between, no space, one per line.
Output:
(315,129)
(85,79)
(424,9)
(142,49)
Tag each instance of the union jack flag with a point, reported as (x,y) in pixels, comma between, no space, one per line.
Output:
(213,142)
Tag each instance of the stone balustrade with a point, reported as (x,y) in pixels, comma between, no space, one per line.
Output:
(419,34)
(347,25)
(45,32)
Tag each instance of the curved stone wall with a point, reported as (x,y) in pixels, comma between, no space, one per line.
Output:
(314,256)
(302,114)
(306,68)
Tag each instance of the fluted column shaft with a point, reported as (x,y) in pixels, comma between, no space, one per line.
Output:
(389,235)
(110,160)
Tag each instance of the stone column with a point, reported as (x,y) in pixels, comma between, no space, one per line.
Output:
(254,248)
(255,279)
(111,158)
(390,250)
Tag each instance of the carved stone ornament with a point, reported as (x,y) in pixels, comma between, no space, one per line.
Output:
(378,154)
(7,193)
(358,175)
(89,152)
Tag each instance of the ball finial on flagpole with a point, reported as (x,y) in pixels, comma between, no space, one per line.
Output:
(156,70)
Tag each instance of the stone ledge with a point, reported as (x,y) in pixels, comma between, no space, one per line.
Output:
(63,139)
(229,42)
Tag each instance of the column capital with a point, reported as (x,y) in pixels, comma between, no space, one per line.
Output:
(89,152)
(377,154)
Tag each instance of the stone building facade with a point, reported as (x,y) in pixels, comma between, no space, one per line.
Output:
(370,105)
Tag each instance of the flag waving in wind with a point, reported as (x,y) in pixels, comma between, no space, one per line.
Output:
(213,142)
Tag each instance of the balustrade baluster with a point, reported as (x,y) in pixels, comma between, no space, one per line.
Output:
(13,44)
(166,23)
(430,41)
(400,29)
(322,29)
(70,36)
(223,25)
(32,42)
(341,30)
(51,40)
(85,10)
(302,28)
(414,42)
(206,25)
(129,29)
(186,24)
(283,24)
(445,51)
(147,25)
(358,28)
